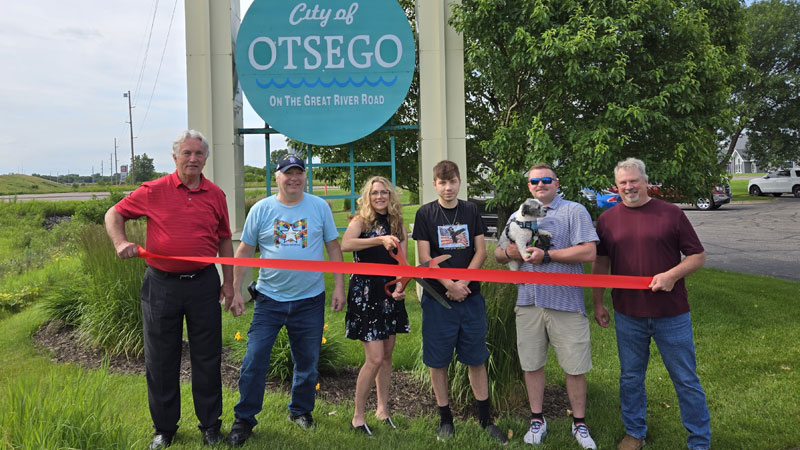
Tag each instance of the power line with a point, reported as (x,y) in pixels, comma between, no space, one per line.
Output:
(146,51)
(163,52)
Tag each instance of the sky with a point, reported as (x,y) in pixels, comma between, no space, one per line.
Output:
(65,68)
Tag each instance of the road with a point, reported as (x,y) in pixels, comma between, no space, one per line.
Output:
(55,197)
(759,237)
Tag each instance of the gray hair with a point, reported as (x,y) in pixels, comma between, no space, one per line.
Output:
(189,134)
(631,163)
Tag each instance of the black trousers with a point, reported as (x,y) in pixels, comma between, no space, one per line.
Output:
(166,301)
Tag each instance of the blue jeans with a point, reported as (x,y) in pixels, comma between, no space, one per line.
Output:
(673,336)
(303,320)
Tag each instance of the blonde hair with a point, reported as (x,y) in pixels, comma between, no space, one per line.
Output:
(367,215)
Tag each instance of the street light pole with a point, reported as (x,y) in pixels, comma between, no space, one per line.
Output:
(130,121)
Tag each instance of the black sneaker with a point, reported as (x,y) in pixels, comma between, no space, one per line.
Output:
(445,432)
(160,441)
(212,436)
(496,434)
(304,421)
(240,432)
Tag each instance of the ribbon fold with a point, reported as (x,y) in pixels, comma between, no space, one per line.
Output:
(486,275)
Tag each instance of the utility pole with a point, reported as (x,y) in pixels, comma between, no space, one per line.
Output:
(130,121)
(116,168)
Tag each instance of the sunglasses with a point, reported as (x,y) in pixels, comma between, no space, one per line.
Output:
(544,180)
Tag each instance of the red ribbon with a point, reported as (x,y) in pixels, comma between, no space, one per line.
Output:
(496,276)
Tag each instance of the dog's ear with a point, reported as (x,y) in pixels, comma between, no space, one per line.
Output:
(530,207)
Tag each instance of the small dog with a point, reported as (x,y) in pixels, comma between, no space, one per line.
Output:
(523,230)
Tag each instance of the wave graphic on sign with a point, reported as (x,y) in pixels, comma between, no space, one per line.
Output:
(319,81)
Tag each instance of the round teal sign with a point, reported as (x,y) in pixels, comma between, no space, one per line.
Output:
(327,72)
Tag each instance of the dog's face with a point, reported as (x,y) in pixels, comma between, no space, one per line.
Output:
(532,209)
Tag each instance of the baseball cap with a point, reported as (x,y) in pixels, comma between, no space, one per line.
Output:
(290,160)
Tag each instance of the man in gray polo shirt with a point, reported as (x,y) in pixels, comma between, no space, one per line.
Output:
(554,314)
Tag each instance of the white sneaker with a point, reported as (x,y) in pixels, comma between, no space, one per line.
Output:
(581,433)
(536,432)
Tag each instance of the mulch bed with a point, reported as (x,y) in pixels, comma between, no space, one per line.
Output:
(408,396)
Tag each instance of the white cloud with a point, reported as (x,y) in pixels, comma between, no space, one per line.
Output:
(65,68)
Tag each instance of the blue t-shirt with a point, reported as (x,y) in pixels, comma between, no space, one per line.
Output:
(296,232)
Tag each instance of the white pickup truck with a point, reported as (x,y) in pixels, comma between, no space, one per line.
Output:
(782,181)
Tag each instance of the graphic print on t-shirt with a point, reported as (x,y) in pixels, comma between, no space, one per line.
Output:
(291,234)
(453,236)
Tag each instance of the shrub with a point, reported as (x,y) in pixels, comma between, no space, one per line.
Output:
(63,412)
(112,317)
(13,302)
(94,210)
(281,364)
(505,375)
(104,300)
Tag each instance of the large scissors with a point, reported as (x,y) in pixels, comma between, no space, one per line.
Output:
(401,259)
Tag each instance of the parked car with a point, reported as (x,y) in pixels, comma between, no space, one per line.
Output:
(720,195)
(489,216)
(604,200)
(777,183)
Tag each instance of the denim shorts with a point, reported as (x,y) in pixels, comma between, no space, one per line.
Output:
(461,329)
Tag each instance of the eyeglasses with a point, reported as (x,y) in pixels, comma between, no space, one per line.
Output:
(377,193)
(544,180)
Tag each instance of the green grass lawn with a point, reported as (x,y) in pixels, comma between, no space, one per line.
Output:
(739,192)
(26,184)
(745,330)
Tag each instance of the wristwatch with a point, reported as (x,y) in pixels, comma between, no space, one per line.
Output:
(546,258)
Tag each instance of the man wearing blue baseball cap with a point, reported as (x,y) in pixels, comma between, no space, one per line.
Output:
(291,225)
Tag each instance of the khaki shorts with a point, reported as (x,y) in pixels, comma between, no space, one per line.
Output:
(567,332)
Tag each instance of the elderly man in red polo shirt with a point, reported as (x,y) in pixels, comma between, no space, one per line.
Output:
(186,216)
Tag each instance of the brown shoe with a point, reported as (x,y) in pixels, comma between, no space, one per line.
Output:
(630,443)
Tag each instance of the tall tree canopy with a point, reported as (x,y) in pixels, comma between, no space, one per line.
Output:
(582,84)
(143,167)
(767,95)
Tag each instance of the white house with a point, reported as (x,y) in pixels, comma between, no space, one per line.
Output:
(740,161)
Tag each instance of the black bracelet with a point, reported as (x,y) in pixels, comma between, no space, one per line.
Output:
(506,251)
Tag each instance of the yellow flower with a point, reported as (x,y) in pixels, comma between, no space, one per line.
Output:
(317,386)
(66,363)
(238,336)
(325,327)
(324,340)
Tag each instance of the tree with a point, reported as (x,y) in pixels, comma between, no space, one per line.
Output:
(275,155)
(143,167)
(252,174)
(767,98)
(583,84)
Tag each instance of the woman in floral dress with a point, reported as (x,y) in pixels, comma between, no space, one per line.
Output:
(373,317)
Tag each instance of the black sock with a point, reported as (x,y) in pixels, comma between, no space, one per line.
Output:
(484,412)
(537,416)
(577,420)
(445,416)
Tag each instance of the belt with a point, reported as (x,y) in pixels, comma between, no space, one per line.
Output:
(180,276)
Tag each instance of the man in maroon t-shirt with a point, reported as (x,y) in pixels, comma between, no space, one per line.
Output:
(646,237)
(186,216)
